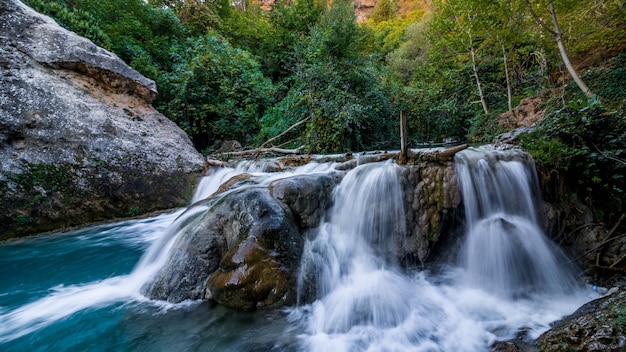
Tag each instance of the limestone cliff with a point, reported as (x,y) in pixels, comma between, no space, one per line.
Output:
(79,140)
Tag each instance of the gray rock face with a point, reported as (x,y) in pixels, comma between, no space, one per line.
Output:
(79,140)
(308,196)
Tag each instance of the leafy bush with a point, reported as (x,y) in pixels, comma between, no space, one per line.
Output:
(216,92)
(608,82)
(336,87)
(587,146)
(77,20)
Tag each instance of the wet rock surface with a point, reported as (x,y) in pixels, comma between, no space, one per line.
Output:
(242,253)
(599,325)
(307,196)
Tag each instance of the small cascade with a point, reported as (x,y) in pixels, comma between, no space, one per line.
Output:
(353,256)
(262,169)
(216,176)
(506,251)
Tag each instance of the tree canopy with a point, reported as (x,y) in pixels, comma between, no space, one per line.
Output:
(239,70)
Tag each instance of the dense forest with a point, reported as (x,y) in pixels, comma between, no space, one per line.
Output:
(305,74)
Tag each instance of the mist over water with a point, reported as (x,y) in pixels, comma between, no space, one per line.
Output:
(81,290)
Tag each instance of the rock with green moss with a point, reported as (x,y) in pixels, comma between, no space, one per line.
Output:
(243,253)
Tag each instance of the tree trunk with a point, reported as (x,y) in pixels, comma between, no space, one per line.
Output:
(559,41)
(403,139)
(508,80)
(556,33)
(474,68)
(480,89)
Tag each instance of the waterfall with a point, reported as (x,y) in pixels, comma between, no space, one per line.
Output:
(505,250)
(362,300)
(352,294)
(359,235)
(353,257)
(216,176)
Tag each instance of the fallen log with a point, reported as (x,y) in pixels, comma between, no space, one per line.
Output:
(449,153)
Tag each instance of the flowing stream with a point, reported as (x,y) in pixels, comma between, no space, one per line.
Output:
(79,290)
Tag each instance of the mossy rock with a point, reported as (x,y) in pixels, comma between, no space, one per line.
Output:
(249,277)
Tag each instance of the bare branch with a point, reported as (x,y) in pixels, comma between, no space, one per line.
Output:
(285,131)
(538,19)
(255,152)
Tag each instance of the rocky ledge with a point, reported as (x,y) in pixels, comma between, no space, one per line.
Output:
(79,140)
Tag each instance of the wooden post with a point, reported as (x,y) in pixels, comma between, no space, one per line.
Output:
(403,137)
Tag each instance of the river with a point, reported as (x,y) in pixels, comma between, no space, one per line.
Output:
(80,290)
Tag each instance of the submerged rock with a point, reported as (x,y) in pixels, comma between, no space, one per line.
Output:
(79,140)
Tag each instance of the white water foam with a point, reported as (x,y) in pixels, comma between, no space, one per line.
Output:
(160,232)
(366,303)
(63,301)
(506,250)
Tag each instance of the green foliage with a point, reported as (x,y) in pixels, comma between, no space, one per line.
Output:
(608,82)
(384,10)
(133,211)
(351,80)
(592,26)
(142,35)
(589,146)
(291,23)
(217,92)
(484,128)
(199,17)
(390,34)
(74,19)
(23,220)
(336,87)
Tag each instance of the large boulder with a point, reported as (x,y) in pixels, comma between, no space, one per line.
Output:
(243,253)
(79,140)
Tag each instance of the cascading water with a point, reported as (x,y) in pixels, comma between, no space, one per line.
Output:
(506,250)
(364,300)
(353,295)
(353,255)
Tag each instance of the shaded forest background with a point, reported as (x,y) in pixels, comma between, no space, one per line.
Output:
(237,70)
